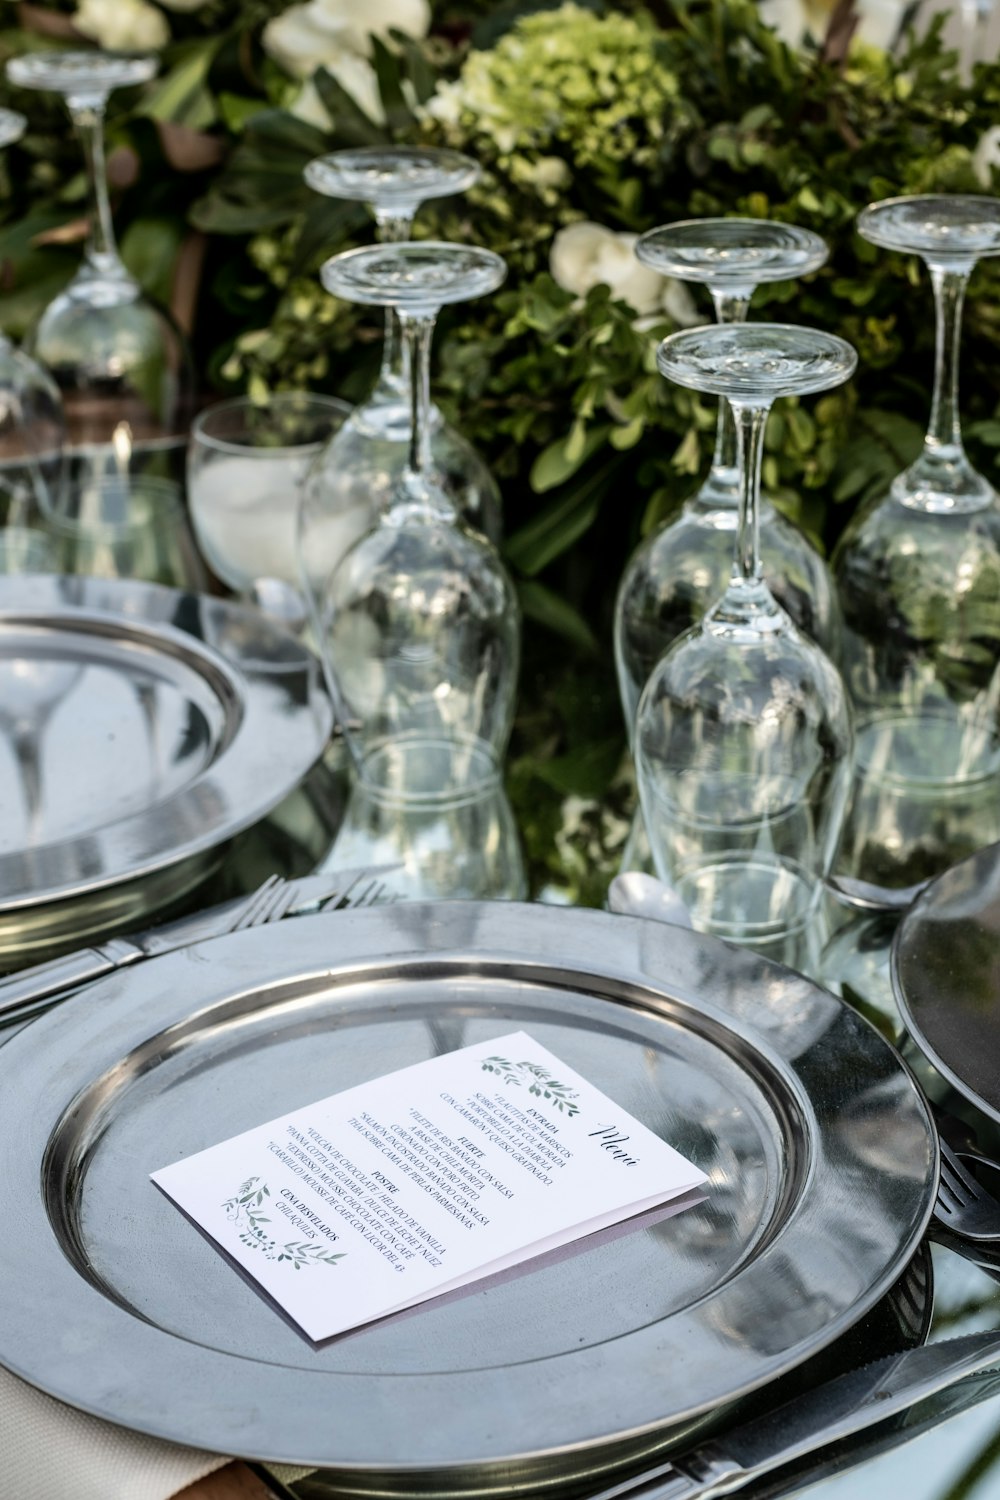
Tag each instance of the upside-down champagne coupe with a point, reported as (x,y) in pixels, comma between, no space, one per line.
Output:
(352,478)
(743,732)
(419,621)
(919,577)
(678,571)
(115,357)
(31,417)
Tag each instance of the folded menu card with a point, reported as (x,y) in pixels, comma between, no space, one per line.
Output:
(414,1184)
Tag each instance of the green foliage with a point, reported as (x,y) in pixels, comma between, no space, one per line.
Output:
(623,115)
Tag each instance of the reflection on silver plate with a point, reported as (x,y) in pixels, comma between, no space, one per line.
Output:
(140,729)
(820,1155)
(946,976)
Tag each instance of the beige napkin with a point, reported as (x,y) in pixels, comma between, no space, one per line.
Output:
(49,1451)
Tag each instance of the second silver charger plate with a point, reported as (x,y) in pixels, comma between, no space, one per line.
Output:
(141,729)
(945,969)
(820,1155)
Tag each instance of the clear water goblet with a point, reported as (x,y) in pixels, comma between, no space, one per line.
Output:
(31,417)
(353,476)
(246,470)
(680,569)
(419,620)
(445,844)
(114,355)
(743,731)
(113,524)
(918,570)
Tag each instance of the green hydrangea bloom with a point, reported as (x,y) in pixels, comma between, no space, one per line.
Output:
(592,87)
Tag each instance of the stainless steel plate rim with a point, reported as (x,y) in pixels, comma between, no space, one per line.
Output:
(621,977)
(968,885)
(277,721)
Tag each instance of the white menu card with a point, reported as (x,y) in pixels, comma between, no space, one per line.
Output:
(416,1183)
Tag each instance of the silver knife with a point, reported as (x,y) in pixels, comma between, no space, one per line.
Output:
(837,1409)
(895,1432)
(29,989)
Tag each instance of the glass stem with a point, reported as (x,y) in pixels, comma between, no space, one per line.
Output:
(88,120)
(750,423)
(730,307)
(394,374)
(944,433)
(418,330)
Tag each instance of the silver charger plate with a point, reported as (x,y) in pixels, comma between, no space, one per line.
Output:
(140,729)
(819,1150)
(945,968)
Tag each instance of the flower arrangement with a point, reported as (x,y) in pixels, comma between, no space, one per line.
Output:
(593,123)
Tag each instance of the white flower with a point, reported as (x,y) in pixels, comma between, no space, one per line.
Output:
(586,254)
(987,155)
(879,21)
(679,305)
(320,32)
(122,25)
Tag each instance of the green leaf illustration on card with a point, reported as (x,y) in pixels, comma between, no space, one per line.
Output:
(242,1211)
(540,1082)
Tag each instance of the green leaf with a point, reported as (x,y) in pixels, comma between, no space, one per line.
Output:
(585,772)
(352,124)
(560,460)
(387,71)
(559,524)
(181,95)
(149,249)
(546,607)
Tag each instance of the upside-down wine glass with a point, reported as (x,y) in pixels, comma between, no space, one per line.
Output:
(919,577)
(355,473)
(678,571)
(743,732)
(114,355)
(419,621)
(31,420)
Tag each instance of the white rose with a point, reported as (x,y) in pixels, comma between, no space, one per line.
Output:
(360,20)
(586,254)
(679,305)
(987,155)
(306,37)
(122,25)
(879,21)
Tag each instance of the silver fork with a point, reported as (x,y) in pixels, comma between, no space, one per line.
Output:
(963,1205)
(369,895)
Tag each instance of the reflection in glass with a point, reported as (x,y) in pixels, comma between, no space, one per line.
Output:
(113,524)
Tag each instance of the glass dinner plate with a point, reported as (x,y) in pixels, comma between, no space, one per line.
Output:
(820,1155)
(946,976)
(141,728)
